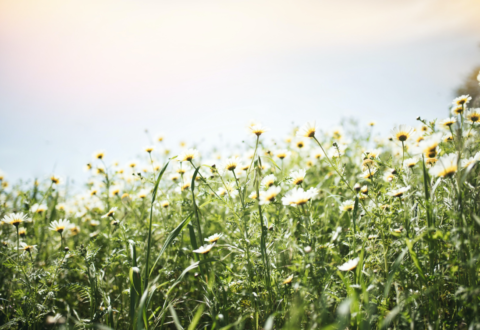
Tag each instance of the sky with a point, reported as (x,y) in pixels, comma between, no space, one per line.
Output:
(79,76)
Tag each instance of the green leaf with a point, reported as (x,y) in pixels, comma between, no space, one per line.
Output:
(395,267)
(170,238)
(413,255)
(196,318)
(175,318)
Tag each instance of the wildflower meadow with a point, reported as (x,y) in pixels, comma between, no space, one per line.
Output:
(340,228)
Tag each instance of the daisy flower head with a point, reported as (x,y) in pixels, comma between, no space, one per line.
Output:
(165,204)
(429,146)
(204,249)
(149,149)
(27,248)
(336,150)
(317,154)
(126,198)
(368,173)
(399,192)
(430,162)
(256,129)
(282,154)
(15,219)
(410,162)
(55,179)
(160,138)
(99,154)
(110,213)
(231,163)
(94,223)
(300,143)
(22,232)
(372,123)
(348,205)
(373,153)
(288,280)
(388,176)
(465,163)
(74,230)
(228,190)
(457,109)
(253,195)
(115,190)
(447,123)
(337,133)
(188,155)
(297,177)
(402,133)
(349,265)
(298,196)
(473,115)
(60,225)
(269,180)
(367,164)
(266,197)
(38,208)
(364,190)
(462,100)
(308,130)
(213,238)
(445,167)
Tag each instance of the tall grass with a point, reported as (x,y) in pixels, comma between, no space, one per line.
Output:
(379,233)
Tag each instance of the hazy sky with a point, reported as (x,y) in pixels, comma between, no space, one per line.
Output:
(77,76)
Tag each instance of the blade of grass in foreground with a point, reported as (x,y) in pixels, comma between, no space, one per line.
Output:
(171,237)
(154,195)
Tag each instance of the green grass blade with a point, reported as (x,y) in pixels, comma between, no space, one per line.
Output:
(149,242)
(170,238)
(196,318)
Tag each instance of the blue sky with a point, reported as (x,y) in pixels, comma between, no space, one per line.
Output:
(80,76)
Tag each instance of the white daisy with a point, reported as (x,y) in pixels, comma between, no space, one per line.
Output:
(446,166)
(266,197)
(298,196)
(188,155)
(213,238)
(15,219)
(308,130)
(204,249)
(297,177)
(349,265)
(60,225)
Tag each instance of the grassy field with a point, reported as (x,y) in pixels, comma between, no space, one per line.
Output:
(324,230)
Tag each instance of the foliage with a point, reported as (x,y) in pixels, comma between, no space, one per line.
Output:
(326,230)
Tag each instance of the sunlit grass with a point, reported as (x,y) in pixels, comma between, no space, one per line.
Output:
(329,229)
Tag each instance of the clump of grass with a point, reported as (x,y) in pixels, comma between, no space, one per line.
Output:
(326,229)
